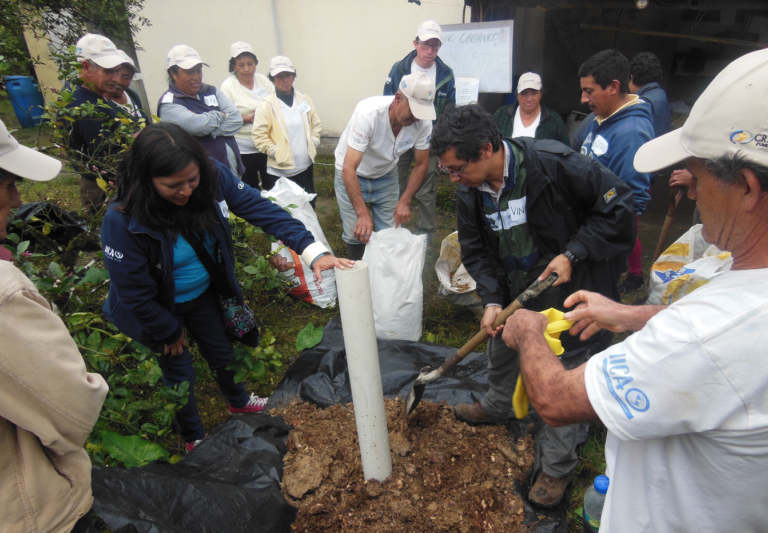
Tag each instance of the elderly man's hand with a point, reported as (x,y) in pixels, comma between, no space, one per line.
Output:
(328,262)
(522,323)
(593,313)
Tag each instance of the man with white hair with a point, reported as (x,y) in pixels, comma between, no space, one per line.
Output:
(382,129)
(423,58)
(685,399)
(89,137)
(48,402)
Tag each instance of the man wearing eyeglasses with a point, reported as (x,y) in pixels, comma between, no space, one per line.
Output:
(423,58)
(527,208)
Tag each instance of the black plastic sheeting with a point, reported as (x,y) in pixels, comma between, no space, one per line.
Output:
(230,481)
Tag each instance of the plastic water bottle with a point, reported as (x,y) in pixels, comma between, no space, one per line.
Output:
(594,498)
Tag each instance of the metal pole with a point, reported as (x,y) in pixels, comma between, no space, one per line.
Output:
(734,42)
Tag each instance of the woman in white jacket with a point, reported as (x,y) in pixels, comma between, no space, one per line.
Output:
(286,128)
(247,89)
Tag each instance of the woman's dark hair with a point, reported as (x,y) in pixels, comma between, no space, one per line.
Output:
(466,129)
(162,150)
(605,67)
(233,60)
(173,69)
(272,78)
(645,68)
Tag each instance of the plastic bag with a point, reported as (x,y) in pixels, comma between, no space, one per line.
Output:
(395,260)
(456,285)
(684,267)
(304,284)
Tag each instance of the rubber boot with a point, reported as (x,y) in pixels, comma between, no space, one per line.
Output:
(355,251)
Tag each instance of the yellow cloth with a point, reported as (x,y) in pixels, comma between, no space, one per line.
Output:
(557,324)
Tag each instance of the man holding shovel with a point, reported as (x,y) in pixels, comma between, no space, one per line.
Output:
(528,208)
(685,399)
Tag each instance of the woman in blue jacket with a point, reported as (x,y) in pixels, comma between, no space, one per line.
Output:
(169,194)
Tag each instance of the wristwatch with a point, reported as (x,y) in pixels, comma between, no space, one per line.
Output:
(568,255)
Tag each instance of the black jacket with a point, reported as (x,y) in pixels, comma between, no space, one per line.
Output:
(572,203)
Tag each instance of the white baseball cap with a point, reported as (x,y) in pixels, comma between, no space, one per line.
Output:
(127,60)
(429,29)
(730,116)
(280,64)
(25,162)
(420,91)
(529,80)
(185,57)
(98,49)
(240,48)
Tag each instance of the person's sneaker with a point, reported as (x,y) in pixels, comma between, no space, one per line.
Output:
(473,414)
(632,283)
(548,491)
(191,445)
(254,405)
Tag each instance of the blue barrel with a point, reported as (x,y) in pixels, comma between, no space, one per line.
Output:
(26,98)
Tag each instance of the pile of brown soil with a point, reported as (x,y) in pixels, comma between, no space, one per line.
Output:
(446,475)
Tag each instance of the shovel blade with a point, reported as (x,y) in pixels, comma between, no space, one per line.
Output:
(417,391)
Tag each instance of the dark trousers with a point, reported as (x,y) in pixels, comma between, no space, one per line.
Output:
(304,179)
(204,322)
(255,167)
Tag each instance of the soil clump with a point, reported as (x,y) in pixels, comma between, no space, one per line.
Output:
(447,476)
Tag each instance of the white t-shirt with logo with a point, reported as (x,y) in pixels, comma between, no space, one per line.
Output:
(297,133)
(431,71)
(370,132)
(685,401)
(519,129)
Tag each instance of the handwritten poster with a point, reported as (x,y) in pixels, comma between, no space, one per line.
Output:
(481,50)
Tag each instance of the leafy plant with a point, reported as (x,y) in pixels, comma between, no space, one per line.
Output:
(132,450)
(308,337)
(252,363)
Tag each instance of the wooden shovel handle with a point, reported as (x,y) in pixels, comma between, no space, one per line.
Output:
(536,288)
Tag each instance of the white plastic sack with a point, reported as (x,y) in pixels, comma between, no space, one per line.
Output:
(395,260)
(304,284)
(684,267)
(456,285)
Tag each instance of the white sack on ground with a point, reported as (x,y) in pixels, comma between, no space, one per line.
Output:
(395,260)
(685,266)
(456,285)
(304,284)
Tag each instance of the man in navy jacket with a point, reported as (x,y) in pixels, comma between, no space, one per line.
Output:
(429,38)
(644,77)
(623,123)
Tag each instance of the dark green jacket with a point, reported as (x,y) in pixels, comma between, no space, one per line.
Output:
(446,84)
(551,126)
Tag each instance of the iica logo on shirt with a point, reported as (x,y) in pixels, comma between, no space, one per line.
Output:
(617,377)
(111,253)
(513,215)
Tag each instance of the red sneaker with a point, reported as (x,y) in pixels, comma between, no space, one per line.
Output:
(254,405)
(191,445)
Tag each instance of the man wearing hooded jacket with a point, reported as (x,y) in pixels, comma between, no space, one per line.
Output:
(527,208)
(429,38)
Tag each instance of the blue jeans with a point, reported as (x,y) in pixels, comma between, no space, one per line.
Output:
(381,193)
(202,319)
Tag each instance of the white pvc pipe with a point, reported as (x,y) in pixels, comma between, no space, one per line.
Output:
(354,289)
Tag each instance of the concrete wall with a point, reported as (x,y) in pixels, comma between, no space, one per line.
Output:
(342,49)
